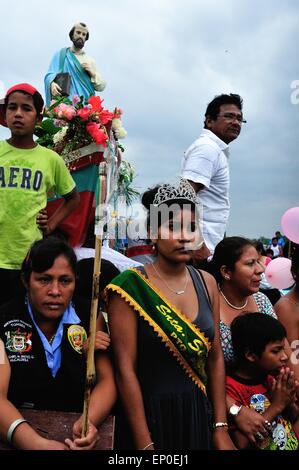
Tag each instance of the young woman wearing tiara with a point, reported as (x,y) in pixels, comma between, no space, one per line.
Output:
(164,330)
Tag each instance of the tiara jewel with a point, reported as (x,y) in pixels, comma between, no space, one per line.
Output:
(167,192)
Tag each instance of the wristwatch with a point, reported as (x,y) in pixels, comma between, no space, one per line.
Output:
(234,410)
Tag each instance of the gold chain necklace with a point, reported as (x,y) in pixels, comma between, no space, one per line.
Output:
(231,305)
(177,292)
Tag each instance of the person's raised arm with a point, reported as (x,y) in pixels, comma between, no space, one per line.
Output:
(70,203)
(123,330)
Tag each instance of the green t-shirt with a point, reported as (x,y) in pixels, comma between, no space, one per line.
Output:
(27,177)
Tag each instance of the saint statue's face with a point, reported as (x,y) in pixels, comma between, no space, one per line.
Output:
(79,36)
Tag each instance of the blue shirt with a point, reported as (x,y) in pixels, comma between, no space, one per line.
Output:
(53,351)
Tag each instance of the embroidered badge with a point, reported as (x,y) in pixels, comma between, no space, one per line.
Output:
(76,336)
(18,341)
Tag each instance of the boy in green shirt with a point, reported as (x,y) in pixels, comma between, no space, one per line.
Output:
(28,173)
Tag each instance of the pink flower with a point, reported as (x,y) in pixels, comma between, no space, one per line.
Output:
(97,134)
(65,111)
(59,123)
(84,113)
(75,100)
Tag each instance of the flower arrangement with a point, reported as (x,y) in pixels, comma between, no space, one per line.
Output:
(119,131)
(126,175)
(72,124)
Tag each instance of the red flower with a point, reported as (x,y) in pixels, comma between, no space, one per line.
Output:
(105,116)
(84,113)
(97,134)
(96,103)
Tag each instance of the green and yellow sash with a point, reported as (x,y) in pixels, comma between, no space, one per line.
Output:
(186,342)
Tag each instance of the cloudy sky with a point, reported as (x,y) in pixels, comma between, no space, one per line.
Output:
(163,61)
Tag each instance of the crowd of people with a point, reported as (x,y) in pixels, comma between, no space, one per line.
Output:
(193,350)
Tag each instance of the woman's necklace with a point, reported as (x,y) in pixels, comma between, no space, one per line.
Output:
(231,305)
(177,292)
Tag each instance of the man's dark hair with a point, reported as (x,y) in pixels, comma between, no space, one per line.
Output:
(38,101)
(251,332)
(43,253)
(213,108)
(73,29)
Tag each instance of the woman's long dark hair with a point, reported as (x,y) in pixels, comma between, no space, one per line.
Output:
(227,253)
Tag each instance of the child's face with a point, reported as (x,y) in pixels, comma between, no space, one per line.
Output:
(273,358)
(21,115)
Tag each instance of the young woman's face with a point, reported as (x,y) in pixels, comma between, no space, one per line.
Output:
(51,291)
(178,236)
(246,275)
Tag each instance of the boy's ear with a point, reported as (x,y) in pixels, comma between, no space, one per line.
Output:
(39,118)
(250,356)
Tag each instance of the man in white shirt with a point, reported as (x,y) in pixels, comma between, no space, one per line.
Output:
(205,165)
(84,76)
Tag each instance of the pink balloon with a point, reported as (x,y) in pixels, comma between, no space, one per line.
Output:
(278,273)
(290,224)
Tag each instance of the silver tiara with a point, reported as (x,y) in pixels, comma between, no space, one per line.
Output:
(168,192)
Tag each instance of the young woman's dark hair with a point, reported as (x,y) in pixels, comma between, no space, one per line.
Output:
(252,332)
(42,255)
(155,215)
(227,253)
(213,108)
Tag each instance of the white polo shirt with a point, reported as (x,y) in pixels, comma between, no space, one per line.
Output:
(206,162)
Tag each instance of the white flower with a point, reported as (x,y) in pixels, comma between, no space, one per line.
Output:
(116,123)
(59,136)
(120,133)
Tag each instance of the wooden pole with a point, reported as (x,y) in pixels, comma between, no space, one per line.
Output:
(90,370)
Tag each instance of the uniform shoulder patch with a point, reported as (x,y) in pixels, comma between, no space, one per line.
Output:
(76,335)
